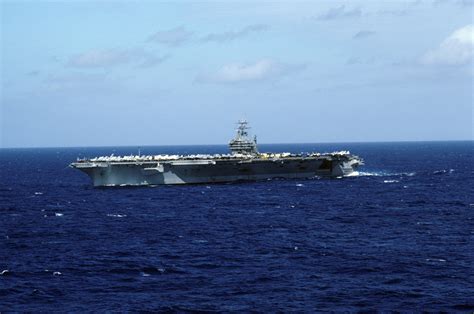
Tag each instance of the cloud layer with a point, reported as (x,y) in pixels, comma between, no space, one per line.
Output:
(232,35)
(263,69)
(363,34)
(172,37)
(339,13)
(107,58)
(456,49)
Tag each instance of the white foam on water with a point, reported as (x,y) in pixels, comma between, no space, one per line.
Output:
(366,174)
(116,215)
(353,174)
(379,174)
(4,272)
(38,193)
(58,214)
(145,274)
(443,171)
(299,184)
(435,260)
(423,223)
(390,181)
(57,273)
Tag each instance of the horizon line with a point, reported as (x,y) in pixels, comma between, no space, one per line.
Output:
(297,143)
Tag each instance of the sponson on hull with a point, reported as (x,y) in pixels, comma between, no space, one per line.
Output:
(244,163)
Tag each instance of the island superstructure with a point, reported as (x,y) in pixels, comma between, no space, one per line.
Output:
(244,163)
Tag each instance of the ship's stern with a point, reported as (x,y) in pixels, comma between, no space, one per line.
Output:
(347,166)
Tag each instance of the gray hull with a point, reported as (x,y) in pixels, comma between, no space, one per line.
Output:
(138,173)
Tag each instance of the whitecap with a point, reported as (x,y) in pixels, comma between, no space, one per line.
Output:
(390,181)
(299,184)
(38,193)
(384,174)
(145,274)
(57,273)
(435,260)
(58,214)
(369,174)
(4,272)
(353,174)
(117,215)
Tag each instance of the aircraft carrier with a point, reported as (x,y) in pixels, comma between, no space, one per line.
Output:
(243,163)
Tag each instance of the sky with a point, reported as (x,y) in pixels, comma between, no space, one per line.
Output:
(106,73)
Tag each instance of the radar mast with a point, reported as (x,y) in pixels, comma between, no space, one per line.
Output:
(242,143)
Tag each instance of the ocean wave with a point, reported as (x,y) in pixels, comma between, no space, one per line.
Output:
(436,260)
(116,215)
(443,171)
(380,174)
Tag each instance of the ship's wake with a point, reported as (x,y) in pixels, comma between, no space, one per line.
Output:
(380,174)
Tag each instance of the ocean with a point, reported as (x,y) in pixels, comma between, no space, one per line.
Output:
(399,236)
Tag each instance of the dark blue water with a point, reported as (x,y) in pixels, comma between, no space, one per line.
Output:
(400,236)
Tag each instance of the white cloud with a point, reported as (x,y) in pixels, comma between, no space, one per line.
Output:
(232,35)
(456,49)
(172,37)
(99,58)
(340,12)
(363,34)
(261,70)
(107,58)
(461,3)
